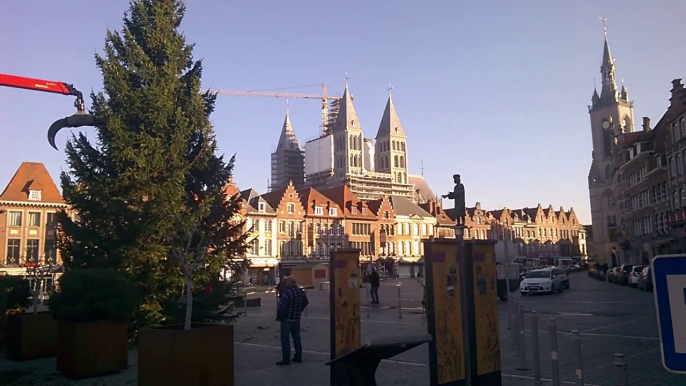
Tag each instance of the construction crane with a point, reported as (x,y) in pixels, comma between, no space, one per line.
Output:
(79,119)
(328,112)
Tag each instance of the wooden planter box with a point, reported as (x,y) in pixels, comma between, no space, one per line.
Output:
(172,356)
(31,336)
(91,348)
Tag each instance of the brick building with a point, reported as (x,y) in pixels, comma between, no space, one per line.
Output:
(28,227)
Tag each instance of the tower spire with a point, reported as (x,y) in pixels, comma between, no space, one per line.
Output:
(609,90)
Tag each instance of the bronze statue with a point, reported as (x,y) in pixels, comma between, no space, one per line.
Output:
(458,195)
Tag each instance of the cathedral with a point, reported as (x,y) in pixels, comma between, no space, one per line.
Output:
(342,155)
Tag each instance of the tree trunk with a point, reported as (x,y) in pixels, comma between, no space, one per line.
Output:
(39,281)
(189,296)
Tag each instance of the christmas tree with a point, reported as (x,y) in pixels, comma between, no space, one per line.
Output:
(150,194)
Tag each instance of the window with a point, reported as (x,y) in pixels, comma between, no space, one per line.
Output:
(32,251)
(34,195)
(268,248)
(318,210)
(50,219)
(672,166)
(407,228)
(400,229)
(676,200)
(268,226)
(683,197)
(402,161)
(291,229)
(34,219)
(13,248)
(282,227)
(333,212)
(679,166)
(261,207)
(290,208)
(255,247)
(50,252)
(395,161)
(364,210)
(15,219)
(402,146)
(424,230)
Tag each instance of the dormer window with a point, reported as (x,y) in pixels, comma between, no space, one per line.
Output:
(318,210)
(333,212)
(261,207)
(364,210)
(34,195)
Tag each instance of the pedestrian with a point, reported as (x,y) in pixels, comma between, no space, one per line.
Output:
(374,286)
(291,305)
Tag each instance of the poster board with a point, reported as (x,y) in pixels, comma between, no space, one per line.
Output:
(344,298)
(444,312)
(484,329)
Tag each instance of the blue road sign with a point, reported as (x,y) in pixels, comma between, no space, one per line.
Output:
(669,283)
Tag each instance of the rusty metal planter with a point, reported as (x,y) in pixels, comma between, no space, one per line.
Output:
(91,348)
(31,336)
(172,356)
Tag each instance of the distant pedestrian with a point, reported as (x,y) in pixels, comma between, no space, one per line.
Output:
(374,286)
(291,305)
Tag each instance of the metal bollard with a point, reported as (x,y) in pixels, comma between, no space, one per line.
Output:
(534,347)
(579,374)
(522,341)
(512,315)
(620,369)
(552,330)
(366,291)
(305,290)
(400,305)
(245,304)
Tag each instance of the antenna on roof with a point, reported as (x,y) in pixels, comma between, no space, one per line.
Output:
(422,168)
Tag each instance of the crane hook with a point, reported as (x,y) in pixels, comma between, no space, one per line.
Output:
(77,120)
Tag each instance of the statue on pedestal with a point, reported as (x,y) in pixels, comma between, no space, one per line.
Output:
(458,195)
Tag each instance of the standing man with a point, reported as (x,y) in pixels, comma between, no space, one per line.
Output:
(374,286)
(291,305)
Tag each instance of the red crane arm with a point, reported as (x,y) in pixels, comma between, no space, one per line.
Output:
(38,85)
(45,86)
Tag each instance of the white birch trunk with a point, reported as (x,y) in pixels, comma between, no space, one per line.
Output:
(36,292)
(189,294)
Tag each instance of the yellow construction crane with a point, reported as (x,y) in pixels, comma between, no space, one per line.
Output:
(328,113)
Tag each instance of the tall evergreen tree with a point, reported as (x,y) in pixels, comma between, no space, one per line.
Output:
(154,172)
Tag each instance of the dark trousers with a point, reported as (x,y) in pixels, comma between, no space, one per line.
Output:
(374,292)
(290,328)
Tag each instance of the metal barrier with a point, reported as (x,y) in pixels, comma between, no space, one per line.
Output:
(620,369)
(522,342)
(552,330)
(579,373)
(534,348)
(400,305)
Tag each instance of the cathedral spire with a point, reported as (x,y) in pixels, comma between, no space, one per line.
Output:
(288,140)
(347,116)
(390,121)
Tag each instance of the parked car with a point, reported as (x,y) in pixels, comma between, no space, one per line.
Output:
(543,280)
(645,280)
(624,273)
(613,275)
(562,271)
(635,275)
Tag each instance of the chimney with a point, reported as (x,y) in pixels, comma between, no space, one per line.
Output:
(646,124)
(677,87)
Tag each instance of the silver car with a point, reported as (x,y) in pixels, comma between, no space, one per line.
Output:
(541,280)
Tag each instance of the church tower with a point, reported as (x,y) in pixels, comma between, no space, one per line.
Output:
(348,140)
(288,160)
(611,113)
(391,145)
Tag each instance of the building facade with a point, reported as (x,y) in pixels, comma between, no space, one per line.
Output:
(674,122)
(28,226)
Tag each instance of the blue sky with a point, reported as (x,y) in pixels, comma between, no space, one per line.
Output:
(496,91)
